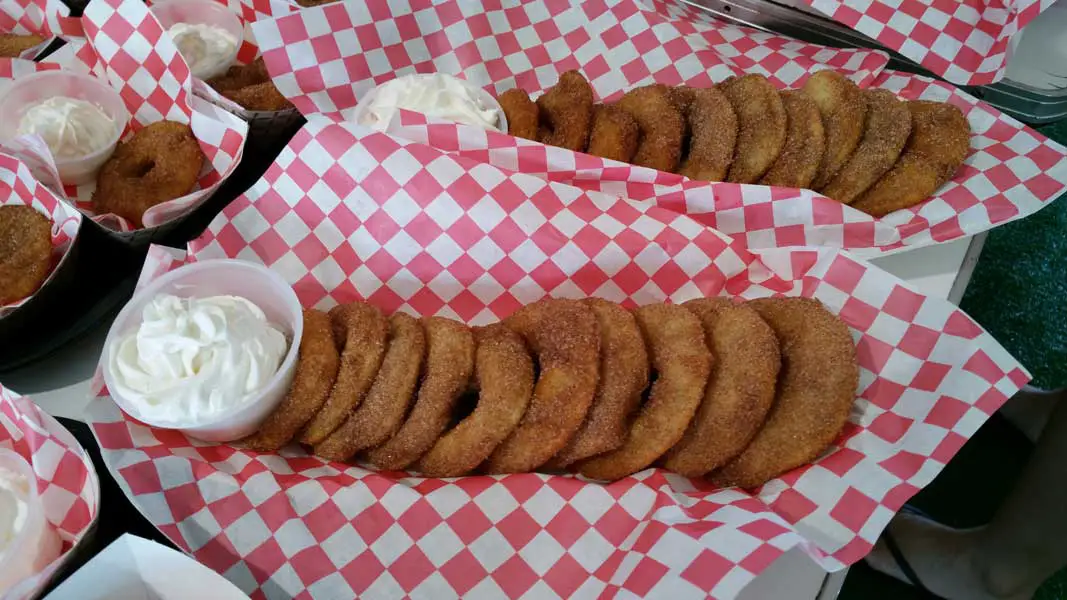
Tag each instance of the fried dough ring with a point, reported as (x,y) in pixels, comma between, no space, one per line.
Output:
(504,372)
(804,145)
(380,414)
(662,127)
(740,389)
(251,87)
(316,370)
(713,127)
(816,388)
(449,365)
(623,379)
(615,133)
(682,362)
(887,130)
(567,110)
(12,45)
(563,336)
(761,122)
(361,330)
(25,251)
(521,112)
(160,162)
(939,142)
(843,111)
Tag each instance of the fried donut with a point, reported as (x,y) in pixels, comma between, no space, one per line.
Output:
(563,336)
(316,370)
(761,123)
(251,87)
(361,330)
(887,130)
(816,388)
(504,373)
(713,127)
(681,96)
(161,162)
(12,45)
(804,145)
(740,389)
(939,142)
(380,414)
(843,113)
(521,112)
(615,133)
(662,127)
(682,361)
(623,379)
(566,112)
(25,251)
(449,365)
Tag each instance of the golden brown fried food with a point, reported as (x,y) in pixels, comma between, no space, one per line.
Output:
(12,45)
(681,97)
(939,142)
(25,251)
(316,370)
(682,361)
(615,133)
(843,111)
(361,330)
(662,127)
(623,379)
(816,389)
(505,375)
(804,144)
(251,87)
(567,112)
(713,127)
(740,389)
(887,130)
(310,3)
(761,122)
(161,162)
(449,365)
(521,112)
(381,413)
(563,336)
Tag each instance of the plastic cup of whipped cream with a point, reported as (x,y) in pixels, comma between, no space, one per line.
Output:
(79,116)
(208,36)
(236,417)
(28,542)
(425,93)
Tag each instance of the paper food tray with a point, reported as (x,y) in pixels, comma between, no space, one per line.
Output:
(347,213)
(1010,173)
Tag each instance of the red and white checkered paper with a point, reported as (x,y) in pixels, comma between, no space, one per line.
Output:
(18,187)
(258,121)
(324,59)
(48,18)
(128,48)
(347,213)
(66,480)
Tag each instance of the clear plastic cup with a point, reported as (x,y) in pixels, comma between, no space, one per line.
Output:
(37,544)
(35,88)
(203,12)
(487,99)
(222,277)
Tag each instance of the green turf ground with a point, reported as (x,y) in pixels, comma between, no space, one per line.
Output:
(1017,293)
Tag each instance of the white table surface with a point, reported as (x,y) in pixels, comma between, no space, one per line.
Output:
(60,384)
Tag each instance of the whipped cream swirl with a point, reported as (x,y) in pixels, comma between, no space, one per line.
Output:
(192,359)
(436,95)
(14,507)
(208,50)
(71,127)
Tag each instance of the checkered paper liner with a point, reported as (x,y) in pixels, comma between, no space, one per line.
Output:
(128,48)
(66,480)
(48,18)
(18,187)
(1012,171)
(348,213)
(260,123)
